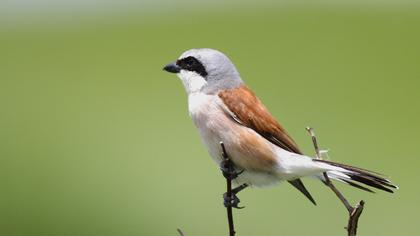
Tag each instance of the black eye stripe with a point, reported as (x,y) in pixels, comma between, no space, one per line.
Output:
(192,64)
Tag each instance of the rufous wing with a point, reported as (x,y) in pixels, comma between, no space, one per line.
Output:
(246,109)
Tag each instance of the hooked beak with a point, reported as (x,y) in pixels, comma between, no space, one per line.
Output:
(172,68)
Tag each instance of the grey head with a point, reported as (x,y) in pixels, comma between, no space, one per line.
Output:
(205,70)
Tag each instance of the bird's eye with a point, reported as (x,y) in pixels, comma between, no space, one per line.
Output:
(189,61)
(192,64)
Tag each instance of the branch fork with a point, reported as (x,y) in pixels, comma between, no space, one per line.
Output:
(354,212)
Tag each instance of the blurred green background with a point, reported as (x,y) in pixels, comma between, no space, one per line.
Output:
(95,138)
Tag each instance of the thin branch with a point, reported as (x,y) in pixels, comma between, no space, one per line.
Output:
(354,218)
(354,212)
(228,165)
(327,179)
(180,232)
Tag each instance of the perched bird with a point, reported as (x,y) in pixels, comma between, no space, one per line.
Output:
(225,110)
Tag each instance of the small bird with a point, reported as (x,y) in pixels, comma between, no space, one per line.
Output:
(225,110)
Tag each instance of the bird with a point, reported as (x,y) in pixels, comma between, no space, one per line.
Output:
(225,110)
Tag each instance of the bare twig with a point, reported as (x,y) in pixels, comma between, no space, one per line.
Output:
(180,232)
(354,212)
(354,218)
(229,166)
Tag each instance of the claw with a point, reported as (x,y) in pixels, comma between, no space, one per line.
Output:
(231,201)
(240,172)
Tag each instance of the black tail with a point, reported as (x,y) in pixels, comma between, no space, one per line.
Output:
(360,175)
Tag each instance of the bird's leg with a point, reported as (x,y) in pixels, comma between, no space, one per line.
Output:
(233,200)
(228,169)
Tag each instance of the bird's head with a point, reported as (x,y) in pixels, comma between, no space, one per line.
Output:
(205,70)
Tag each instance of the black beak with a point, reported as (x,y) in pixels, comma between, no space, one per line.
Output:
(172,68)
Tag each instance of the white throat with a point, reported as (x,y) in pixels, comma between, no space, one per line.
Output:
(192,81)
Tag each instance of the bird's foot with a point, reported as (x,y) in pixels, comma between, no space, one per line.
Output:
(231,201)
(226,166)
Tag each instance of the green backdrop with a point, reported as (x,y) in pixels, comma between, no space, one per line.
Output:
(95,138)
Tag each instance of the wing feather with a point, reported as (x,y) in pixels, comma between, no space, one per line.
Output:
(246,109)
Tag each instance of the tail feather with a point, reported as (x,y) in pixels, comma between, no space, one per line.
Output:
(354,175)
(370,182)
(367,173)
(298,184)
(358,186)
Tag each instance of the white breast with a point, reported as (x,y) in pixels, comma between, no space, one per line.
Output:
(198,102)
(206,114)
(214,126)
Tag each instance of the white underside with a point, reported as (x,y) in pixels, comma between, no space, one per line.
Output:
(208,115)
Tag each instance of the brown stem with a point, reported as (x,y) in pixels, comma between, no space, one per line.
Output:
(354,218)
(354,212)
